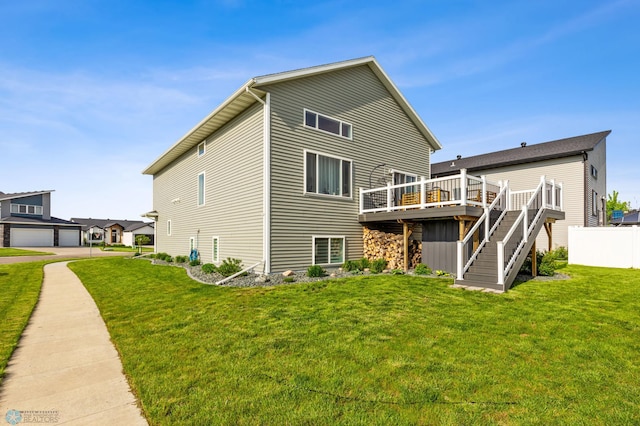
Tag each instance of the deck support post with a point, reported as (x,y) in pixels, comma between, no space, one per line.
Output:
(548,227)
(534,260)
(405,234)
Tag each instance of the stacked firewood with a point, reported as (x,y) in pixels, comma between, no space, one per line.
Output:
(390,246)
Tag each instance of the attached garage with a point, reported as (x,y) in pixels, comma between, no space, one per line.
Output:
(69,238)
(31,237)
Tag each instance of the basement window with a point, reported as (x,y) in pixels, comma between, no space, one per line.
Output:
(328,250)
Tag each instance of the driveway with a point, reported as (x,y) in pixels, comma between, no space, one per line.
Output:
(62,253)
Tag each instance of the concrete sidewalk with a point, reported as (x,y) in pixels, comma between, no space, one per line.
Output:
(65,367)
(62,253)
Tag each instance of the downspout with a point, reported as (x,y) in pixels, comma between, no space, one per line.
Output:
(585,183)
(266,179)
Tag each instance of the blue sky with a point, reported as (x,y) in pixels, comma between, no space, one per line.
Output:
(92,91)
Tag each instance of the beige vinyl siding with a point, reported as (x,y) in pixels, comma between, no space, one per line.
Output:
(567,170)
(233,209)
(598,159)
(382,133)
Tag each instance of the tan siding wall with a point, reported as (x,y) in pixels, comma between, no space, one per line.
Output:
(382,133)
(598,159)
(569,171)
(233,210)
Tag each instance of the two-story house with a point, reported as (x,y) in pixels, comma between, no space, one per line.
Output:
(272,174)
(26,221)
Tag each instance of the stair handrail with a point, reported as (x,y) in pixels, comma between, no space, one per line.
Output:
(526,231)
(486,219)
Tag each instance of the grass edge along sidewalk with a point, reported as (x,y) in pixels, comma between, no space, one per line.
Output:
(374,350)
(20,285)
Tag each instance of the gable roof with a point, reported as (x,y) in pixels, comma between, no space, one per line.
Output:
(529,153)
(127,225)
(11,196)
(247,94)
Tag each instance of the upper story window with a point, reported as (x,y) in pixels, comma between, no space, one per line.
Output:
(201,189)
(594,172)
(201,149)
(26,209)
(327,124)
(327,175)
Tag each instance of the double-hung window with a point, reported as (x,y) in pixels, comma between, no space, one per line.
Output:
(327,124)
(201,189)
(327,175)
(328,250)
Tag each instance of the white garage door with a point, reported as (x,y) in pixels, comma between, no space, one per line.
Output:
(25,237)
(69,238)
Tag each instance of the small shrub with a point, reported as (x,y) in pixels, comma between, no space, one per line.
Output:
(315,271)
(548,265)
(230,266)
(561,253)
(397,272)
(442,273)
(364,263)
(194,262)
(422,269)
(378,265)
(351,266)
(182,259)
(209,268)
(164,256)
(288,279)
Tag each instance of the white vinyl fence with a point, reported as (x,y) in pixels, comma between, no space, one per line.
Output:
(617,247)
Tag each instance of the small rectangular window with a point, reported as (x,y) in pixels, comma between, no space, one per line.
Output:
(201,189)
(328,250)
(169,227)
(216,249)
(327,124)
(201,149)
(594,203)
(594,172)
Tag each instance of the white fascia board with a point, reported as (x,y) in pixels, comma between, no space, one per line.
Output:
(183,140)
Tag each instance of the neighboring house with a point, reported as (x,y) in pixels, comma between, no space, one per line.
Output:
(631,218)
(26,221)
(113,231)
(578,162)
(271,176)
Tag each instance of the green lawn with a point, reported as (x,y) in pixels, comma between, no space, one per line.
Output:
(7,252)
(19,289)
(374,350)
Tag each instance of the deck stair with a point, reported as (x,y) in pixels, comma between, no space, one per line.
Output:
(494,262)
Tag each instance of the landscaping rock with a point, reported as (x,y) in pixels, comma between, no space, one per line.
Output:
(262,279)
(288,273)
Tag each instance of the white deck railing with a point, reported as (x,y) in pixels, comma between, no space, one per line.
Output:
(462,190)
(548,195)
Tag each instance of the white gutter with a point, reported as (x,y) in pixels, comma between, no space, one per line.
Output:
(266,179)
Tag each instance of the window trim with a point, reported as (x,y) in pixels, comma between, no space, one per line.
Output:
(215,254)
(304,124)
(329,238)
(202,144)
(204,192)
(169,227)
(319,194)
